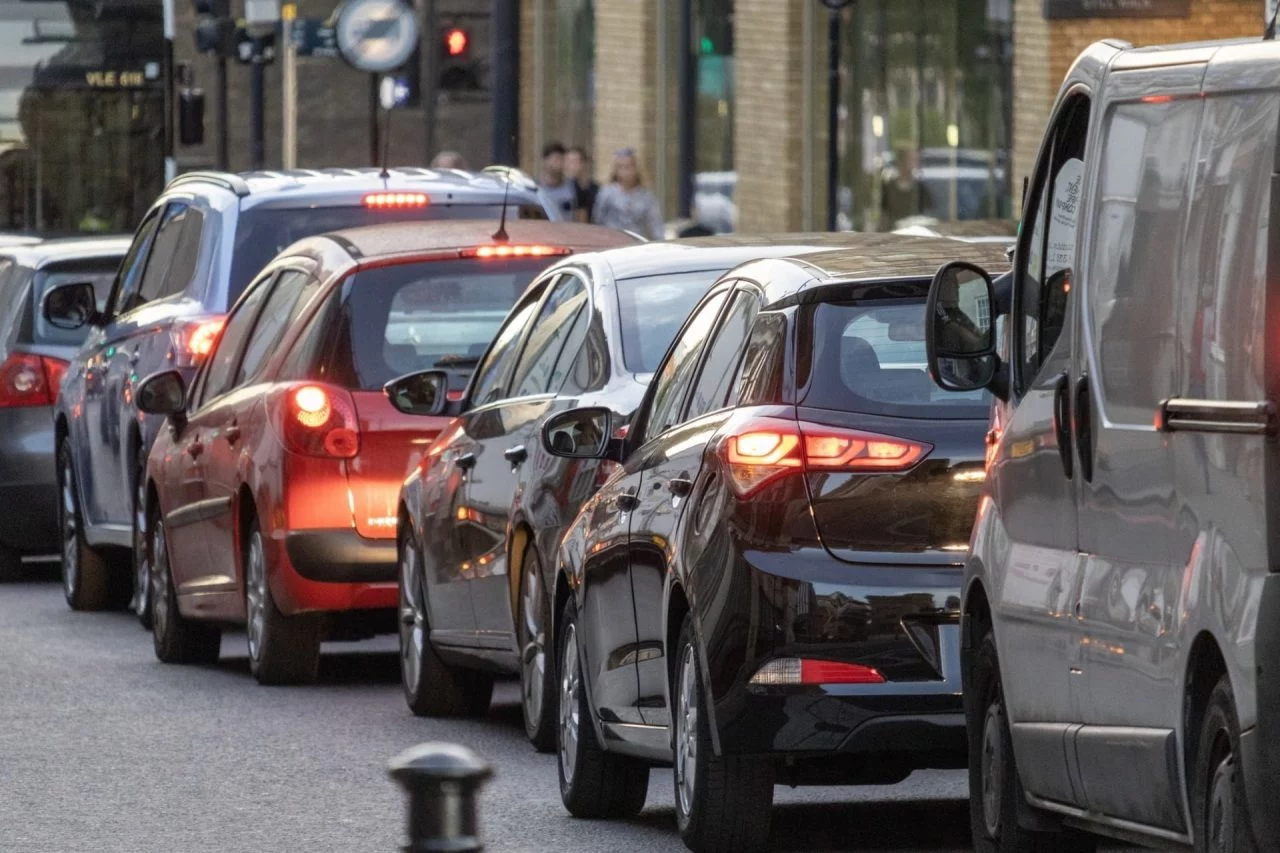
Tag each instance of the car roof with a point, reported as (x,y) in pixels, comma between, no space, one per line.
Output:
(720,252)
(67,249)
(878,256)
(398,238)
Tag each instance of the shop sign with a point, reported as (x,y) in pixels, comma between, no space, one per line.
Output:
(1117,8)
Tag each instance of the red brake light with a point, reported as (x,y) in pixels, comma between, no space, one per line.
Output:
(202,338)
(783,672)
(320,420)
(395,201)
(506,250)
(30,380)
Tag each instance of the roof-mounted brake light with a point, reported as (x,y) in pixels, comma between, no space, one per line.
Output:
(395,201)
(507,250)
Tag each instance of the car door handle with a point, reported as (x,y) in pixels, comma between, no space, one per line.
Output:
(680,487)
(231,434)
(627,501)
(1062,421)
(516,455)
(466,461)
(1083,426)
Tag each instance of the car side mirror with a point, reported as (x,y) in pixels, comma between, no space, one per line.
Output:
(580,434)
(72,306)
(960,337)
(423,393)
(163,393)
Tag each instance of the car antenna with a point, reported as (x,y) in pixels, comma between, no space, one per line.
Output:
(385,174)
(500,236)
(1269,34)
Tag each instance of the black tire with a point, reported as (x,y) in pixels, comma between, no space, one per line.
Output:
(995,789)
(1220,809)
(282,649)
(537,655)
(728,804)
(11,566)
(432,688)
(593,783)
(177,639)
(87,580)
(140,568)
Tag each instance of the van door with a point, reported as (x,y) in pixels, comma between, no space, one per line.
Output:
(1127,749)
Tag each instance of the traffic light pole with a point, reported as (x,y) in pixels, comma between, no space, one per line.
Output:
(257,108)
(506,81)
(170,99)
(429,68)
(224,112)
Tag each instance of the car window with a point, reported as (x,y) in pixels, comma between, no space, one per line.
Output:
(225,358)
(130,275)
(290,294)
(652,309)
(303,361)
(759,379)
(720,367)
(676,372)
(185,257)
(164,253)
(489,377)
(559,327)
(99,272)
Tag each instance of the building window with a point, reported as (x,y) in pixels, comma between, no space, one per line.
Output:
(714,177)
(573,85)
(925,113)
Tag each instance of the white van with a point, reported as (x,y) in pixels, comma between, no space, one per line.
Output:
(1121,651)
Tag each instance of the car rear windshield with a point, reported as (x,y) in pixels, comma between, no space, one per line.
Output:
(418,316)
(870,357)
(99,272)
(652,309)
(263,232)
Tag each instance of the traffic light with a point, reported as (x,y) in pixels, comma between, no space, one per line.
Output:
(215,29)
(456,42)
(457,68)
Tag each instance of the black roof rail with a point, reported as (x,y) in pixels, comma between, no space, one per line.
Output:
(226,180)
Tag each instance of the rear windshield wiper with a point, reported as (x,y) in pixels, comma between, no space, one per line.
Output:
(457,361)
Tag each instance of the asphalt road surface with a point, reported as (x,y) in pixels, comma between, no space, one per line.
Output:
(104,749)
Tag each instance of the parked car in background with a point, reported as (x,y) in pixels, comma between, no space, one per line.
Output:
(271,494)
(33,357)
(480,525)
(198,247)
(768,590)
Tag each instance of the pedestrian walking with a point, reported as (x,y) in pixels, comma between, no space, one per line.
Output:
(449,160)
(560,192)
(626,204)
(577,168)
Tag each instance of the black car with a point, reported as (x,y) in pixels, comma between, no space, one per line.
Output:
(481,519)
(768,590)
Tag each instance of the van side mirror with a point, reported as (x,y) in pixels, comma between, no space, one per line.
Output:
(72,306)
(424,393)
(580,434)
(961,334)
(163,393)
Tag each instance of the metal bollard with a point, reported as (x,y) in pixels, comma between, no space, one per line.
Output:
(442,780)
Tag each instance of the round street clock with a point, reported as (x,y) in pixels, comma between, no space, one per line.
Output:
(376,35)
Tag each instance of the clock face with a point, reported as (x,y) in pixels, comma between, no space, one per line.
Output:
(377,35)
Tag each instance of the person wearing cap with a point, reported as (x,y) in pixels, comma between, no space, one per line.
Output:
(625,203)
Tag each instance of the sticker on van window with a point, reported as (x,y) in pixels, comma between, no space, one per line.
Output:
(1065,216)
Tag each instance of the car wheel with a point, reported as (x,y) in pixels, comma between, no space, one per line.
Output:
(1220,809)
(141,603)
(995,790)
(724,804)
(177,638)
(86,574)
(10,565)
(432,688)
(537,666)
(282,649)
(593,783)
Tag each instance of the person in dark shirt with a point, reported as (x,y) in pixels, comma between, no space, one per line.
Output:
(577,168)
(900,195)
(556,187)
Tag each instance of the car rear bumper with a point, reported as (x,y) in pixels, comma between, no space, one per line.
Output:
(333,571)
(28,480)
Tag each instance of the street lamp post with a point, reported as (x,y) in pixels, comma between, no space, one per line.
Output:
(834,8)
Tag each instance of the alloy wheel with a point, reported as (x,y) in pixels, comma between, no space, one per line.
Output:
(255,589)
(70,533)
(142,559)
(687,731)
(570,696)
(993,768)
(412,620)
(160,581)
(533,645)
(1220,829)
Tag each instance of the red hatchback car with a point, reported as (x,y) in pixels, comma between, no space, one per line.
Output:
(272,489)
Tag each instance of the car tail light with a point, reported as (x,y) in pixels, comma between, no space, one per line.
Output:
(784,672)
(319,420)
(195,340)
(507,250)
(763,449)
(395,201)
(30,380)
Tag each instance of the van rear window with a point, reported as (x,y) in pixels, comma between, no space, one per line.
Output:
(870,357)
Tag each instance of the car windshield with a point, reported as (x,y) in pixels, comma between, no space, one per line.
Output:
(870,358)
(431,314)
(652,309)
(264,232)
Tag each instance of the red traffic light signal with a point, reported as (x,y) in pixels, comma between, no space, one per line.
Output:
(456,41)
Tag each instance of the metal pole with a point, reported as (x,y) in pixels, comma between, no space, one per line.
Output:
(442,782)
(429,83)
(375,146)
(224,111)
(833,117)
(257,109)
(170,164)
(289,101)
(688,108)
(506,81)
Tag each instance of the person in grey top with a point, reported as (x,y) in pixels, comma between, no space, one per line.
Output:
(625,204)
(560,192)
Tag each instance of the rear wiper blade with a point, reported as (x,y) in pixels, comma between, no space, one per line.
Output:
(457,361)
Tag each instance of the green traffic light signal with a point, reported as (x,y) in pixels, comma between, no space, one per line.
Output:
(706,45)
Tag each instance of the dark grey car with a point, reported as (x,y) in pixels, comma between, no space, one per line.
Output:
(33,357)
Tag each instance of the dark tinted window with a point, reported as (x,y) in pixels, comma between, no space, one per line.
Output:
(720,367)
(130,275)
(285,301)
(99,271)
(673,379)
(559,328)
(434,314)
(652,309)
(870,357)
(226,356)
(303,360)
(162,275)
(760,378)
(264,232)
